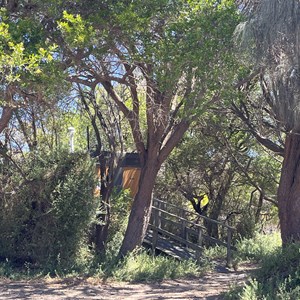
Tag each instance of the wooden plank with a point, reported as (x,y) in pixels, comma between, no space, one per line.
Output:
(166,246)
(176,238)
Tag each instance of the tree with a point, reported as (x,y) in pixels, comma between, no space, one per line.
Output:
(172,58)
(272,34)
(219,157)
(108,150)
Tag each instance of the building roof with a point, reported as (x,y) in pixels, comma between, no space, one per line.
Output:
(131,160)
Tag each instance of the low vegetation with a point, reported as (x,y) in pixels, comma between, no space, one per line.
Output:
(278,273)
(136,267)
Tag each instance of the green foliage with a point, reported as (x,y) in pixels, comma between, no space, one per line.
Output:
(279,274)
(258,247)
(46,220)
(15,60)
(120,208)
(76,31)
(215,252)
(175,38)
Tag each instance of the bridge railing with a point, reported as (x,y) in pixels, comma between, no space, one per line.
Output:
(177,226)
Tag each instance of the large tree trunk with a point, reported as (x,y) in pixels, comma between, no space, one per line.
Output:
(141,209)
(289,191)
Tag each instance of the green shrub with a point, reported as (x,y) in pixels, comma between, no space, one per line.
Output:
(216,252)
(120,208)
(46,220)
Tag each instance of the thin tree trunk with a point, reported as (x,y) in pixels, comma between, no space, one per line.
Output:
(289,191)
(212,228)
(141,209)
(104,217)
(259,207)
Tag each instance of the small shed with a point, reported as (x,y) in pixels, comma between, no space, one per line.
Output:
(128,174)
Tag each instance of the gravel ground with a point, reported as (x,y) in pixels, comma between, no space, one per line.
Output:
(211,286)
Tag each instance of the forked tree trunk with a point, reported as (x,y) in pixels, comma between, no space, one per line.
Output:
(141,209)
(289,191)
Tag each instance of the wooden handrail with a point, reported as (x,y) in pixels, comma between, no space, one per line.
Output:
(160,218)
(178,217)
(195,214)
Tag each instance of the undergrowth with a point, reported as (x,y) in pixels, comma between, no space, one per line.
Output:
(258,247)
(145,267)
(278,275)
(136,267)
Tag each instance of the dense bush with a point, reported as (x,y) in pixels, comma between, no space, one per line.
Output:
(45,219)
(278,278)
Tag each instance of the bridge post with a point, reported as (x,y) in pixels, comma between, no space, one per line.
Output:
(155,230)
(159,215)
(200,236)
(229,254)
(183,230)
(199,243)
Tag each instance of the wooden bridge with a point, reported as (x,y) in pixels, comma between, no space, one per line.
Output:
(180,233)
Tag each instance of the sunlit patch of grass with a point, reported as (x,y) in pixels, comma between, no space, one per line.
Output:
(145,267)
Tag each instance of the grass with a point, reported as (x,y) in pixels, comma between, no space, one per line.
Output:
(258,247)
(278,277)
(145,267)
(279,274)
(138,266)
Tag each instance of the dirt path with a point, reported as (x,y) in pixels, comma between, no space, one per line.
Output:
(209,287)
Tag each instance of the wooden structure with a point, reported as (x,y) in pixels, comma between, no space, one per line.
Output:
(127,175)
(171,231)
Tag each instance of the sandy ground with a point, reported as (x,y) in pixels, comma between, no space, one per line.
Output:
(210,287)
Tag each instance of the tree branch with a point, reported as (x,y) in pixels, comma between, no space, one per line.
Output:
(264,141)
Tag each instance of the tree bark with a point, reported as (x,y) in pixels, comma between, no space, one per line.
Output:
(141,208)
(289,190)
(6,115)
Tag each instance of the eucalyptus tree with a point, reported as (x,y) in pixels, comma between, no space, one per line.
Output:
(173,58)
(272,37)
